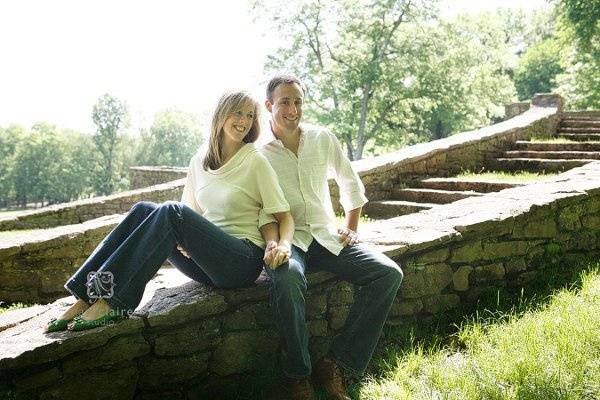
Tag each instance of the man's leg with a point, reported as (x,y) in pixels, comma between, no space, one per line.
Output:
(377,279)
(288,294)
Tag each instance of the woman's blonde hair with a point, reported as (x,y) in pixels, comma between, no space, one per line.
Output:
(229,103)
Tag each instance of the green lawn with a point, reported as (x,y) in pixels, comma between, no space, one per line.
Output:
(494,176)
(4,307)
(547,348)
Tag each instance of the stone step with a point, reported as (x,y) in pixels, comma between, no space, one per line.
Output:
(579,123)
(548,146)
(456,184)
(580,130)
(566,155)
(432,195)
(393,208)
(580,137)
(536,164)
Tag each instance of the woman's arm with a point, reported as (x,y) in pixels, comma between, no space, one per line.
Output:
(278,237)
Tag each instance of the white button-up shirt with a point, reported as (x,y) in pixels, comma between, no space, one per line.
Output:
(303,179)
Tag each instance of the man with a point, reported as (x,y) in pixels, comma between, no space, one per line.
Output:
(302,157)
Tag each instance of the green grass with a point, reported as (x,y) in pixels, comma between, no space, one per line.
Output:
(493,176)
(6,307)
(542,347)
(546,139)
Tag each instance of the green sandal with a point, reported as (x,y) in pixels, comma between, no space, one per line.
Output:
(57,325)
(80,324)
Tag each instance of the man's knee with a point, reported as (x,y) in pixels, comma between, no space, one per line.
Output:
(395,273)
(289,275)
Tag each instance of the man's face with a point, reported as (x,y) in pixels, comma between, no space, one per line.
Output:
(286,108)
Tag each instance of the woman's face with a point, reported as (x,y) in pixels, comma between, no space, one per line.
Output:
(238,123)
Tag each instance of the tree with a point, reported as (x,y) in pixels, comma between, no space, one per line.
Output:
(38,163)
(381,73)
(172,139)
(10,139)
(109,115)
(538,69)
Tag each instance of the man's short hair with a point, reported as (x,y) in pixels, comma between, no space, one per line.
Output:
(281,79)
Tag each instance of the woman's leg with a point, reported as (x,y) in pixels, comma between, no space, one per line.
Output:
(225,260)
(137,214)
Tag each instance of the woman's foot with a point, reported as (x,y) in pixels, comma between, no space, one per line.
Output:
(60,323)
(99,309)
(99,314)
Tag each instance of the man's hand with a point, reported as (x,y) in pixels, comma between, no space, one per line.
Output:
(276,254)
(348,237)
(182,251)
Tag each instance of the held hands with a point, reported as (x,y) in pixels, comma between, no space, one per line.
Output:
(276,254)
(348,237)
(182,251)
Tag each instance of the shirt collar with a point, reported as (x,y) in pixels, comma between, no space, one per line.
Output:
(272,139)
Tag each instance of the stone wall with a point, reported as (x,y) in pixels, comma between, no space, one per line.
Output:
(191,341)
(444,157)
(84,210)
(141,177)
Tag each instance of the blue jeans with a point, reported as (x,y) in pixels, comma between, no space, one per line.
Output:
(376,278)
(149,234)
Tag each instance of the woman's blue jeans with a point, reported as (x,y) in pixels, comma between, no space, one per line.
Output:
(136,248)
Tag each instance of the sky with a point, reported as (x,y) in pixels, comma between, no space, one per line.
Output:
(58,57)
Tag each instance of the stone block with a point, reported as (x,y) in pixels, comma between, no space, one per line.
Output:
(545,228)
(569,218)
(239,320)
(113,384)
(433,257)
(431,279)
(342,294)
(337,316)
(496,250)
(241,352)
(316,305)
(30,381)
(317,327)
(460,278)
(467,253)
(440,303)
(490,272)
(514,265)
(405,307)
(196,336)
(117,350)
(156,372)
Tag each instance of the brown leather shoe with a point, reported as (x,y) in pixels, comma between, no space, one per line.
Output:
(299,389)
(328,375)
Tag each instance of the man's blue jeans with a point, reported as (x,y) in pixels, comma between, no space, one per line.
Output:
(376,278)
(149,235)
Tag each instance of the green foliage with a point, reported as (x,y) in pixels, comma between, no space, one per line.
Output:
(538,68)
(583,16)
(109,114)
(386,73)
(172,140)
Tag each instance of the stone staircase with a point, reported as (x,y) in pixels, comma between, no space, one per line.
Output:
(581,134)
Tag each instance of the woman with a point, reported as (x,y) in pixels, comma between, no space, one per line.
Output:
(212,235)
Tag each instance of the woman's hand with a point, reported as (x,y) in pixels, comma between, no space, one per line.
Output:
(276,254)
(182,251)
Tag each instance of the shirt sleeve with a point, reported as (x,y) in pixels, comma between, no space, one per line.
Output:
(352,191)
(189,189)
(271,195)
